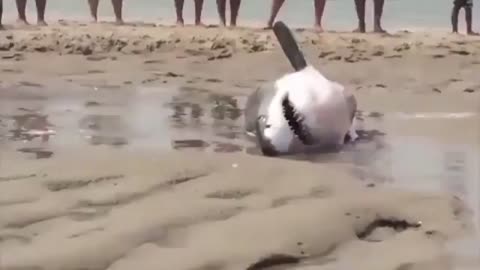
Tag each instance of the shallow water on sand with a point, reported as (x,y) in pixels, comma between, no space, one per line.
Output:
(409,150)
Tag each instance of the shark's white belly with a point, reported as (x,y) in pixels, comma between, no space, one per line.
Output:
(320,101)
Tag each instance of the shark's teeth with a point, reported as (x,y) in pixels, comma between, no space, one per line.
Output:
(295,121)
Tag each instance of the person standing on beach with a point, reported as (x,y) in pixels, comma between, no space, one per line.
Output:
(319,8)
(117,9)
(467,5)
(377,10)
(198,12)
(21,8)
(234,7)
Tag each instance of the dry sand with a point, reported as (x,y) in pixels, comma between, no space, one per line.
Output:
(122,209)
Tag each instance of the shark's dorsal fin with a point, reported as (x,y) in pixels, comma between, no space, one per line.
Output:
(289,46)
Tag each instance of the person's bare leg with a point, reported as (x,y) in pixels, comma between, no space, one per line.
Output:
(319,8)
(378,11)
(468,18)
(93,4)
(455,12)
(360,8)
(179,11)
(1,14)
(21,6)
(276,5)
(234,8)
(41,6)
(198,12)
(221,8)
(117,9)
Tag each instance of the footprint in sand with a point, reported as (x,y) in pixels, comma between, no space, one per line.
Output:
(154,61)
(470,90)
(213,80)
(8,70)
(232,194)
(69,184)
(460,52)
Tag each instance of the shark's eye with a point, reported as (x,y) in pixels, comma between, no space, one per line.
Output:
(263,119)
(295,121)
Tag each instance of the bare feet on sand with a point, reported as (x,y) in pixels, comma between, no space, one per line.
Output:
(360,29)
(200,24)
(42,23)
(379,29)
(318,28)
(22,22)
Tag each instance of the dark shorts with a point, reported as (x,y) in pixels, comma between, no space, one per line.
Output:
(463,3)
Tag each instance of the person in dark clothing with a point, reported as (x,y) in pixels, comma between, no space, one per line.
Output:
(21,8)
(467,5)
(378,11)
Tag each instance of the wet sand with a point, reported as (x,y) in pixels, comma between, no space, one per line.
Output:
(123,147)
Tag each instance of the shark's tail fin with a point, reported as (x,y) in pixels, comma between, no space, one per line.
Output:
(289,45)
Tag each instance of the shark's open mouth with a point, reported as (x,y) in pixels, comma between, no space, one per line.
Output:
(295,121)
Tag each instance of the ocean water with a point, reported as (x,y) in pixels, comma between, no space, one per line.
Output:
(339,14)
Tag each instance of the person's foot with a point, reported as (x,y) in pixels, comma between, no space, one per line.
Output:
(379,29)
(22,22)
(269,25)
(180,22)
(42,23)
(472,33)
(360,28)
(318,28)
(119,22)
(200,24)
(1,27)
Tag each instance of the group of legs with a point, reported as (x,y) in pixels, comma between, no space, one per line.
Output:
(467,5)
(221,7)
(21,8)
(276,6)
(235,6)
(320,7)
(42,4)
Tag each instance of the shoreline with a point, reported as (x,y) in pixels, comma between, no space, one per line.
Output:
(72,37)
(9,22)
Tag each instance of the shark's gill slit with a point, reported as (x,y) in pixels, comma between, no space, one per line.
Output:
(295,121)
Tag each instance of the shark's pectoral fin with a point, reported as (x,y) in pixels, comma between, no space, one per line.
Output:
(352,135)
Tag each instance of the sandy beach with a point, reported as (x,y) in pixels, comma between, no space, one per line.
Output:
(122,147)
